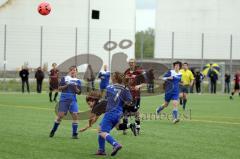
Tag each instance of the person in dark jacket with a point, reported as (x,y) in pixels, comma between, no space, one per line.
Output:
(39,75)
(150,84)
(198,80)
(227,83)
(213,80)
(24,73)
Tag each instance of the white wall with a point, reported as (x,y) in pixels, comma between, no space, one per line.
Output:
(23,29)
(188,19)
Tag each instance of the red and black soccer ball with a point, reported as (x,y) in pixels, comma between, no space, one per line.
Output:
(44,8)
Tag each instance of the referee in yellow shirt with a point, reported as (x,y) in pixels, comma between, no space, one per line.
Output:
(186,83)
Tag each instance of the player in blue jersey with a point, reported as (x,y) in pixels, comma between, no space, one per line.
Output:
(69,86)
(172,80)
(117,95)
(104,77)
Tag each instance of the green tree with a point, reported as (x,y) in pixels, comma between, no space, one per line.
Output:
(145,38)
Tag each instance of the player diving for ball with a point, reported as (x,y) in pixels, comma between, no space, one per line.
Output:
(116,95)
(172,80)
(98,107)
(69,87)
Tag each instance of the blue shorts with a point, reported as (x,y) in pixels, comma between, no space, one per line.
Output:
(65,106)
(171,96)
(103,86)
(109,121)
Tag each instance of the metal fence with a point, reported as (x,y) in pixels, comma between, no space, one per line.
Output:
(35,46)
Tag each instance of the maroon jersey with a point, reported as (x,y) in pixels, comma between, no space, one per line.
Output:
(237,79)
(134,78)
(53,77)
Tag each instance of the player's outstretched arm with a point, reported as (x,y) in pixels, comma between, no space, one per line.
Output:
(93,119)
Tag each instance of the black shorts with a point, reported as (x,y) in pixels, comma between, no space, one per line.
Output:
(133,108)
(184,89)
(53,86)
(236,86)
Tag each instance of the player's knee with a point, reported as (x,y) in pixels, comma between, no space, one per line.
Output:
(75,116)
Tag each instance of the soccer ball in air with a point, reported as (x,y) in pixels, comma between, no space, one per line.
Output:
(44,8)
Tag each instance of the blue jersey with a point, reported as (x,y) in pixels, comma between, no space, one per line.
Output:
(69,93)
(172,86)
(117,95)
(105,77)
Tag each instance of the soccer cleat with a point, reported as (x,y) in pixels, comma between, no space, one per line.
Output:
(138,129)
(116,149)
(100,153)
(75,136)
(175,121)
(51,134)
(231,97)
(133,128)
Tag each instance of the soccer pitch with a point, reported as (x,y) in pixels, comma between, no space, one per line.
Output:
(212,132)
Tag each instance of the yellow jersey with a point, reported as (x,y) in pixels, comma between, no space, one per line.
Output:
(187,77)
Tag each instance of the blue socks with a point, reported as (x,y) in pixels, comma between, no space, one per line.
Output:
(160,109)
(55,126)
(74,128)
(111,140)
(101,143)
(175,113)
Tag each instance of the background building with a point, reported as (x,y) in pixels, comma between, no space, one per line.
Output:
(68,31)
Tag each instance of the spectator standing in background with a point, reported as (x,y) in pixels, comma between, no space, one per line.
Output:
(198,80)
(39,75)
(227,83)
(90,78)
(213,76)
(24,73)
(151,78)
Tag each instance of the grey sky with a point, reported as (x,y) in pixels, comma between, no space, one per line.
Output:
(146,4)
(145,14)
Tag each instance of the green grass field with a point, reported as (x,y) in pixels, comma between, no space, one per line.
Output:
(212,133)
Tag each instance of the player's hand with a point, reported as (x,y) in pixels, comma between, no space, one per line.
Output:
(170,78)
(138,87)
(83,129)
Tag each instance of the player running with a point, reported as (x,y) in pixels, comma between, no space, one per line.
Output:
(136,78)
(186,83)
(105,77)
(53,82)
(69,86)
(98,107)
(117,94)
(236,84)
(172,79)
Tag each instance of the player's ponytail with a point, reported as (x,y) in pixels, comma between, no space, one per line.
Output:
(93,95)
(118,77)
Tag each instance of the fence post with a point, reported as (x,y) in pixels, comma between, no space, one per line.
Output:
(88,31)
(5,57)
(231,71)
(41,45)
(202,58)
(173,34)
(76,45)
(109,50)
(142,48)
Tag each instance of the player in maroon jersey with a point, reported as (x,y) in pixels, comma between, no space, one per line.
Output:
(53,82)
(236,84)
(136,78)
